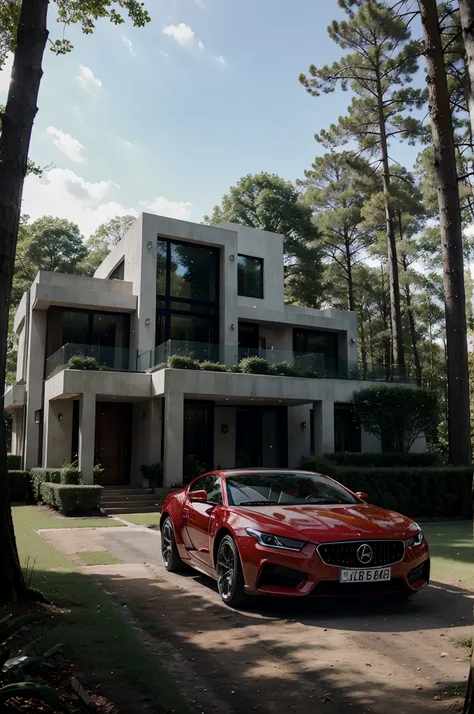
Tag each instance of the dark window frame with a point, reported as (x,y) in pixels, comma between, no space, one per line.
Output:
(312,440)
(166,299)
(120,268)
(261,262)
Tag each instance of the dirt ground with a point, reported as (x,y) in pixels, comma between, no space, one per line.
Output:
(333,656)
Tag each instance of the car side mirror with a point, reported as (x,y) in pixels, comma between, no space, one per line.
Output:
(363,496)
(198,496)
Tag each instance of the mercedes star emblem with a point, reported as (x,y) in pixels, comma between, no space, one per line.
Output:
(364,554)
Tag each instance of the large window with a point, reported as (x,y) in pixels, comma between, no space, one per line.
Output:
(106,333)
(250,276)
(119,272)
(316,342)
(347,434)
(187,292)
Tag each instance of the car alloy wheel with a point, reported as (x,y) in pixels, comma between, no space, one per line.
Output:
(230,581)
(169,551)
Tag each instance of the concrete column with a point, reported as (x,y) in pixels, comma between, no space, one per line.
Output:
(173,437)
(57,432)
(34,386)
(87,437)
(298,436)
(146,446)
(324,427)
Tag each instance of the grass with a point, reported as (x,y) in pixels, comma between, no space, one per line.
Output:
(37,517)
(99,557)
(93,631)
(452,552)
(142,519)
(463,640)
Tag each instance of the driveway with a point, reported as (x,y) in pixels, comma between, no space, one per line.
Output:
(332,656)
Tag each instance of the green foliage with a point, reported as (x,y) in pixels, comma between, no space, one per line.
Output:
(396,415)
(255,365)
(268,202)
(20,486)
(70,475)
(182,362)
(377,460)
(85,363)
(209,366)
(71,499)
(52,244)
(13,462)
(103,240)
(284,369)
(192,468)
(153,473)
(444,492)
(67,475)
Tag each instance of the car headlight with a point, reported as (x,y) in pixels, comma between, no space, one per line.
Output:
(273,541)
(416,540)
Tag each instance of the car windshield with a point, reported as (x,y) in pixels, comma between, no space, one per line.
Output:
(265,489)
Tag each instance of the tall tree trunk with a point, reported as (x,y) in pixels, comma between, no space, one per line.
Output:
(466,13)
(451,238)
(363,342)
(350,279)
(17,125)
(395,311)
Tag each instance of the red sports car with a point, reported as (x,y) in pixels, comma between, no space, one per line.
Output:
(291,533)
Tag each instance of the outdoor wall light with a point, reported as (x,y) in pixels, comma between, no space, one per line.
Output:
(147,321)
(232,258)
(149,245)
(232,327)
(224,428)
(303,425)
(60,417)
(352,340)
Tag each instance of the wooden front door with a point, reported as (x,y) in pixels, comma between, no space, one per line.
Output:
(113,441)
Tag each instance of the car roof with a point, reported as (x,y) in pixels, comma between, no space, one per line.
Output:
(263,471)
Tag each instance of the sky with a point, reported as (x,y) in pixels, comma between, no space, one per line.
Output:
(168,117)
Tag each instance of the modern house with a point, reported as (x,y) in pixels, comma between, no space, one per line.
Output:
(171,287)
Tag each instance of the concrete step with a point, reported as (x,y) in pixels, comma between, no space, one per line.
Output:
(111,490)
(129,509)
(131,504)
(130,497)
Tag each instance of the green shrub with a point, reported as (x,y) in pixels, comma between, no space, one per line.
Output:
(81,362)
(255,365)
(284,369)
(428,458)
(235,368)
(20,486)
(70,476)
(209,366)
(443,491)
(154,474)
(396,415)
(98,475)
(181,362)
(71,499)
(39,476)
(13,462)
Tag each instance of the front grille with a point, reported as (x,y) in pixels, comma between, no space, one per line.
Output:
(279,576)
(344,555)
(333,587)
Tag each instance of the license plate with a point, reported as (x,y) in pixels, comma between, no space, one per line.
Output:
(374,575)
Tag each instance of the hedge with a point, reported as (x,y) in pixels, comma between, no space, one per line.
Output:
(443,491)
(13,462)
(71,499)
(383,460)
(67,476)
(20,486)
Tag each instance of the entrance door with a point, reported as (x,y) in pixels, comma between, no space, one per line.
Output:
(261,437)
(113,441)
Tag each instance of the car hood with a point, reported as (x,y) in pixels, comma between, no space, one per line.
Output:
(321,524)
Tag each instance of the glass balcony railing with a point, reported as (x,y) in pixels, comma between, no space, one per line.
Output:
(90,357)
(314,365)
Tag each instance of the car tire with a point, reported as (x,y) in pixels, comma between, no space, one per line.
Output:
(230,578)
(169,549)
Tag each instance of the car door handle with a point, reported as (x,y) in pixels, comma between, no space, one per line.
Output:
(186,513)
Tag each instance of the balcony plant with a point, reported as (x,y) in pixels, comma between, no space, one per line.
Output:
(183,362)
(153,473)
(255,365)
(284,369)
(209,366)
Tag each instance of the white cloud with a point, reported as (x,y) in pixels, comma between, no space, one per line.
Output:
(61,192)
(129,45)
(172,209)
(163,53)
(88,81)
(220,60)
(201,45)
(5,74)
(71,147)
(181,33)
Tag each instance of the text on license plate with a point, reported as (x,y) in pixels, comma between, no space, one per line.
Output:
(364,576)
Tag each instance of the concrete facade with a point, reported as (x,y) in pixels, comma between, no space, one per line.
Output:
(56,411)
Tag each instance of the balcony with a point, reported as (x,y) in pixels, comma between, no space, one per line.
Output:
(306,365)
(90,357)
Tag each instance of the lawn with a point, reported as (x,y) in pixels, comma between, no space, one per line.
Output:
(452,553)
(142,519)
(93,631)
